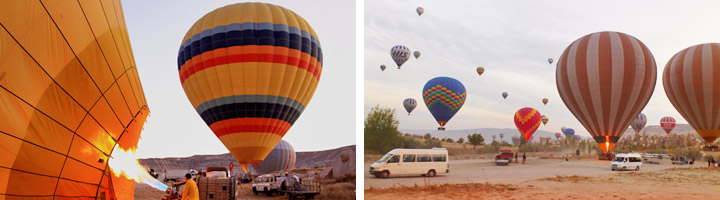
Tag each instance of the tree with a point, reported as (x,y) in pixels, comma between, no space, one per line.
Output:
(433,142)
(461,140)
(475,139)
(381,134)
(427,136)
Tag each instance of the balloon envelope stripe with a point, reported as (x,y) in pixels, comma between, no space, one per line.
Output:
(238,35)
(250,110)
(249,57)
(250,99)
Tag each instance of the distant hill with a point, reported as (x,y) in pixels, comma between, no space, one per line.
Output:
(487,133)
(308,159)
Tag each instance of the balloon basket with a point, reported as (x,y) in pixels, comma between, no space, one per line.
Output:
(606,156)
(709,147)
(441,128)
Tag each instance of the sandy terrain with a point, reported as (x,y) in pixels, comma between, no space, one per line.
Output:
(679,183)
(485,170)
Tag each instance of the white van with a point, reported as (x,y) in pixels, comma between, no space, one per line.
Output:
(626,161)
(425,162)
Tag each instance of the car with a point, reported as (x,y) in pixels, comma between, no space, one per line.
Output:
(626,161)
(424,162)
(269,184)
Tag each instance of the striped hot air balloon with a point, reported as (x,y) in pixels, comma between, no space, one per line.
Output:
(544,119)
(281,158)
(667,124)
(605,79)
(444,96)
(400,54)
(692,83)
(250,70)
(527,120)
(639,123)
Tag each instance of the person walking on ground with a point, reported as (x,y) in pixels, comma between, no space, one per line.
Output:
(524,158)
(516,158)
(190,192)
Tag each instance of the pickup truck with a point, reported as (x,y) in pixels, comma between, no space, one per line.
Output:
(504,158)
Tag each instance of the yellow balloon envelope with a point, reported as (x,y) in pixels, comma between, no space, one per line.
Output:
(249,70)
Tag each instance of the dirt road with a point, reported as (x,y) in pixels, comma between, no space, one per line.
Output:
(485,170)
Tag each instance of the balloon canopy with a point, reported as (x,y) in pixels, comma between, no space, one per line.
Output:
(480,70)
(527,120)
(409,105)
(605,79)
(281,158)
(692,83)
(70,98)
(276,55)
(420,11)
(400,54)
(667,124)
(416,54)
(545,101)
(382,67)
(569,132)
(444,96)
(544,119)
(639,123)
(504,95)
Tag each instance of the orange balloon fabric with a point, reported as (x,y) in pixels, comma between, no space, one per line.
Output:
(69,92)
(692,83)
(606,79)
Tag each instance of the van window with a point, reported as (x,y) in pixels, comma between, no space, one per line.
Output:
(619,159)
(424,158)
(384,158)
(635,159)
(394,159)
(409,158)
(439,158)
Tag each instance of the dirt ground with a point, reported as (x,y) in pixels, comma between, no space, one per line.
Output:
(343,190)
(485,170)
(678,183)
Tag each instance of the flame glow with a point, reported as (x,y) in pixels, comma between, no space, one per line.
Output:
(124,164)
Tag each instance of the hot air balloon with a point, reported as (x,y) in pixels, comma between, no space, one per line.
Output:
(639,123)
(420,11)
(516,140)
(493,136)
(416,54)
(382,67)
(527,120)
(550,61)
(569,132)
(544,119)
(558,135)
(281,158)
(502,135)
(67,107)
(409,104)
(605,79)
(444,96)
(667,124)
(400,54)
(545,101)
(504,95)
(563,129)
(692,83)
(279,66)
(480,70)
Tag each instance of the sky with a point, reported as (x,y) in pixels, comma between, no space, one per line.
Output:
(512,40)
(174,129)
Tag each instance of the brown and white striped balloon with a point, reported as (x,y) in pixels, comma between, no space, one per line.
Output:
(606,79)
(692,83)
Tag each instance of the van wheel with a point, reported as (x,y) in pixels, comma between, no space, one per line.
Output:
(431,173)
(385,174)
(637,168)
(613,169)
(255,191)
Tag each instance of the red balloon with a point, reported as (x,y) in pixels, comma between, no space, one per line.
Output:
(667,124)
(527,121)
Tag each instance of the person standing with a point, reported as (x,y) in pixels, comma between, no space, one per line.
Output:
(190,192)
(524,158)
(516,158)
